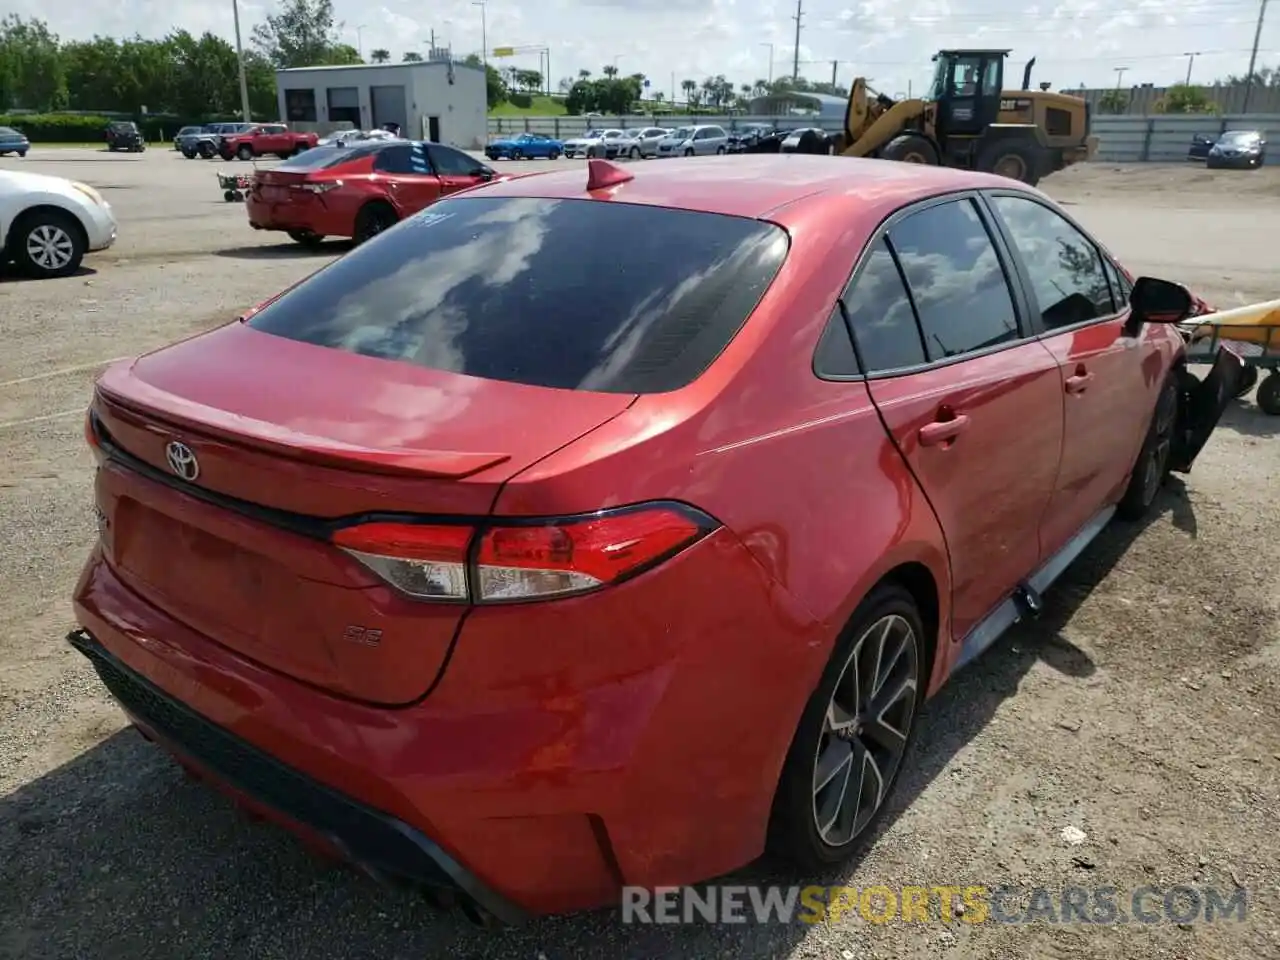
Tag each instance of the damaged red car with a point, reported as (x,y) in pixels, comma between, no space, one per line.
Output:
(520,570)
(356,192)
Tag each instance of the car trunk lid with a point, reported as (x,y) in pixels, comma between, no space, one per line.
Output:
(290,441)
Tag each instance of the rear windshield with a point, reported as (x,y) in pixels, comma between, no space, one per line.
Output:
(321,158)
(529,291)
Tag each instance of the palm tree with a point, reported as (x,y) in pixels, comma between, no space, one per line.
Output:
(412,56)
(689,87)
(380,55)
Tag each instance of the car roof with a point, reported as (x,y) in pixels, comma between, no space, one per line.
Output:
(755,185)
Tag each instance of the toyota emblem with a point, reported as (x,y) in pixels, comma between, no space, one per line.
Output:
(182,461)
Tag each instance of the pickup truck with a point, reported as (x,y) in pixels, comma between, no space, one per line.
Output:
(263,139)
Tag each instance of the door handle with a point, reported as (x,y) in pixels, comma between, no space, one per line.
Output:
(940,431)
(1078,383)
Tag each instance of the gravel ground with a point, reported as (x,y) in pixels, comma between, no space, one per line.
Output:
(1141,711)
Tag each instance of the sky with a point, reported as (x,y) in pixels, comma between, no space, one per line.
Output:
(889,42)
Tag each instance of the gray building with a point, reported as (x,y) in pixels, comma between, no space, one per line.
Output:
(434,100)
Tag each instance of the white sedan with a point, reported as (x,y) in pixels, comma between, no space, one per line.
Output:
(48,224)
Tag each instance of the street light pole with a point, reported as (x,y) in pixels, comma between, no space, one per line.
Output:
(1191,59)
(484,34)
(360,41)
(244,83)
(770,46)
(1120,72)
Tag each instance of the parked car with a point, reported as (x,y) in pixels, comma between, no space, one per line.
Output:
(524,146)
(591,144)
(124,135)
(748,135)
(806,140)
(699,140)
(188,134)
(1200,146)
(437,562)
(636,144)
(13,141)
(264,139)
(48,224)
(342,138)
(357,191)
(1245,149)
(205,143)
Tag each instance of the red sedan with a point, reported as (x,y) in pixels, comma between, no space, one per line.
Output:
(357,192)
(510,566)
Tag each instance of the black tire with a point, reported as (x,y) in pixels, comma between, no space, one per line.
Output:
(517,154)
(721,151)
(1151,469)
(1248,380)
(635,153)
(306,238)
(372,220)
(1014,159)
(245,152)
(688,152)
(207,150)
(47,243)
(794,833)
(1268,395)
(188,153)
(22,153)
(228,195)
(553,155)
(910,148)
(591,153)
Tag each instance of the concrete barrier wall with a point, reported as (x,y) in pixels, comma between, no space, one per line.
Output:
(1122,139)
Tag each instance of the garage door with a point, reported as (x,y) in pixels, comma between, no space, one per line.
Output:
(389,106)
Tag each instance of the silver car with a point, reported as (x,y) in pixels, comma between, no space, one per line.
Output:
(637,143)
(593,143)
(697,141)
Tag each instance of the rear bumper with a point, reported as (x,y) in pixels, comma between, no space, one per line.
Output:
(552,763)
(381,845)
(292,216)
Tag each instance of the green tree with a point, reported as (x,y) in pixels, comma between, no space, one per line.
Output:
(1181,98)
(411,56)
(303,33)
(31,69)
(1113,101)
(381,55)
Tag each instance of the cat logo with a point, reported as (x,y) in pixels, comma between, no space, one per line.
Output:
(1019,104)
(364,636)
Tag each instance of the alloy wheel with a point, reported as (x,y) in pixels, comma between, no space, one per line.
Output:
(866,730)
(50,247)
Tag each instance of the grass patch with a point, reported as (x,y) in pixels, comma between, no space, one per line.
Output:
(540,107)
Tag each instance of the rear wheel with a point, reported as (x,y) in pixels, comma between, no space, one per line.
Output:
(854,735)
(372,220)
(1012,159)
(1152,466)
(1268,396)
(554,154)
(245,152)
(910,148)
(47,244)
(635,153)
(207,150)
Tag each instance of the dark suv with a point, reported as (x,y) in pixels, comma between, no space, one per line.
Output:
(124,135)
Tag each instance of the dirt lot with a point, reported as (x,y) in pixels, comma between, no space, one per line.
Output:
(1143,710)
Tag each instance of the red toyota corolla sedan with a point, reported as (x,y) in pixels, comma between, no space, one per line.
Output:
(519,569)
(357,192)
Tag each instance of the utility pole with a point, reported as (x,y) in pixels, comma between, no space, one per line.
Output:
(244,84)
(1120,72)
(833,72)
(795,60)
(360,41)
(1253,58)
(1191,59)
(770,46)
(484,35)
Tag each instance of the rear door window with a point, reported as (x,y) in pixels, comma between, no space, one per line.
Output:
(522,290)
(956,280)
(452,163)
(879,310)
(321,158)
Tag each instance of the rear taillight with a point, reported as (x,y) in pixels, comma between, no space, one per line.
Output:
(318,187)
(91,435)
(511,560)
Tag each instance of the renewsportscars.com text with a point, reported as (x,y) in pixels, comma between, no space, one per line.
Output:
(971,904)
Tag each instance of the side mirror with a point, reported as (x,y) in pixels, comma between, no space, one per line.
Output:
(484,173)
(1159,301)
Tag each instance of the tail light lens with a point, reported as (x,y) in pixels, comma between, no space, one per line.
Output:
(517,560)
(323,187)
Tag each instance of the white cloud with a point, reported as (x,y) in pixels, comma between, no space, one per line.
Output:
(888,41)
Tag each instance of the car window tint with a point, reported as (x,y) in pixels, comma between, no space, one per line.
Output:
(880,312)
(321,158)
(1066,272)
(960,292)
(834,356)
(1114,280)
(522,289)
(394,159)
(452,163)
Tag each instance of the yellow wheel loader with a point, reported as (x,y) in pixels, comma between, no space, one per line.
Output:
(969,120)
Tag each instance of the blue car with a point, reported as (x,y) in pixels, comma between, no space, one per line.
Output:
(11,141)
(525,146)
